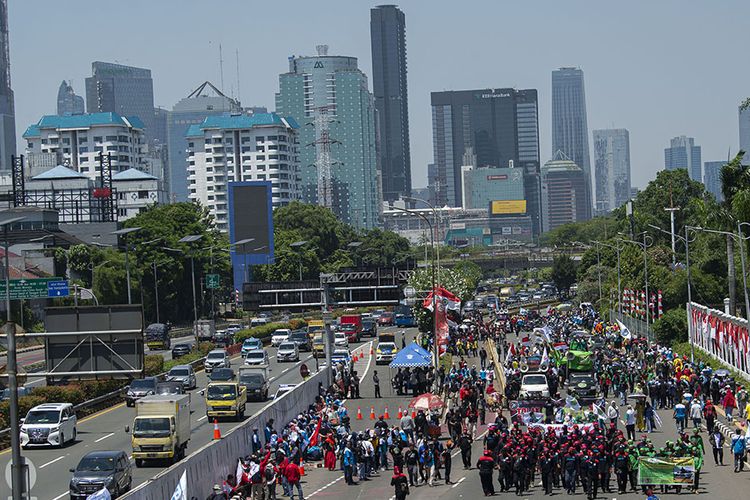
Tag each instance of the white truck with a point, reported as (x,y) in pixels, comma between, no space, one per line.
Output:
(255,380)
(161,428)
(204,330)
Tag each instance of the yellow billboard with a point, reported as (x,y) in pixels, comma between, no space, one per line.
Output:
(504,207)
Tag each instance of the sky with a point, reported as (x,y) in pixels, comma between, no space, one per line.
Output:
(658,68)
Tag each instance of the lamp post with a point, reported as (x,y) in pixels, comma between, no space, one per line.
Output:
(243,244)
(644,245)
(18,485)
(436,220)
(619,290)
(192,239)
(434,290)
(124,233)
(297,245)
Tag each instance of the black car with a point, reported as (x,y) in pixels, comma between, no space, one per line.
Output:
(180,350)
(369,328)
(168,388)
(140,388)
(583,385)
(302,340)
(221,375)
(98,469)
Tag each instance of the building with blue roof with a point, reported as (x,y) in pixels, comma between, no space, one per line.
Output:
(77,140)
(238,147)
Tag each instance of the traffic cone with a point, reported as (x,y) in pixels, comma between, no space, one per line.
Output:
(217,431)
(400,413)
(355,359)
(371,351)
(359,413)
(372,413)
(301,469)
(386,415)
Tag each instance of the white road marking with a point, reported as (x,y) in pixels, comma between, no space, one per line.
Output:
(458,482)
(326,486)
(58,497)
(52,462)
(204,417)
(105,437)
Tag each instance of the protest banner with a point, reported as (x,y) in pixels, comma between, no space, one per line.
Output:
(666,471)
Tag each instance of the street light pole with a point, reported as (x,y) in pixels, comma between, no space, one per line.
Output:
(689,296)
(744,273)
(156,292)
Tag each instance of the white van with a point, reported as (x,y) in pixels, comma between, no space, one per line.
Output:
(49,424)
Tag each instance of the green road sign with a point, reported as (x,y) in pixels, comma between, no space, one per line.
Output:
(35,288)
(212,281)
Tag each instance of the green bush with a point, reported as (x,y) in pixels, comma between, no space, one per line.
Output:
(154,364)
(25,403)
(260,332)
(671,327)
(296,324)
(60,394)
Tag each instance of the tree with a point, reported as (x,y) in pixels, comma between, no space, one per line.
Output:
(671,327)
(563,272)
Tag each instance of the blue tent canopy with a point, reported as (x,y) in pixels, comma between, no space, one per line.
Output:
(411,356)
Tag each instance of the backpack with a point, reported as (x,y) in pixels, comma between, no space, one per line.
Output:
(269,473)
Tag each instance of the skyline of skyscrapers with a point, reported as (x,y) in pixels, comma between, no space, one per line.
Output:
(68,103)
(612,168)
(563,192)
(683,153)
(7,104)
(570,124)
(329,98)
(389,84)
(712,178)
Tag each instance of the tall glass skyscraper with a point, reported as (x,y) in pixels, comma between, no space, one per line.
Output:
(712,178)
(388,42)
(570,132)
(329,98)
(683,153)
(68,103)
(612,168)
(7,106)
(744,116)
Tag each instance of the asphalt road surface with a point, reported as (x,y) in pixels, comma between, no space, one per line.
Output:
(105,431)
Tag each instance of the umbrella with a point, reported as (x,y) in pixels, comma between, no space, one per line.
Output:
(426,402)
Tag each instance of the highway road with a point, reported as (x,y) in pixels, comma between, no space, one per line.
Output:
(105,431)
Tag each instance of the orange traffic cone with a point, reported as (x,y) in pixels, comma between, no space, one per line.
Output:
(217,431)
(359,413)
(355,357)
(301,469)
(386,415)
(372,413)
(413,414)
(371,351)
(400,413)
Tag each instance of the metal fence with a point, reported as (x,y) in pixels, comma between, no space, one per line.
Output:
(636,326)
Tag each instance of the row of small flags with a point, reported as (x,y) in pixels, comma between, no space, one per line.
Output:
(634,304)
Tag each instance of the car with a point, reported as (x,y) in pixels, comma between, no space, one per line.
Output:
(100,469)
(259,321)
(233,329)
(583,386)
(369,328)
(184,374)
(223,338)
(377,313)
(280,336)
(301,339)
(283,389)
(386,319)
(180,350)
(216,358)
(340,340)
(351,332)
(21,391)
(287,351)
(341,356)
(534,386)
(170,388)
(257,358)
(255,384)
(221,375)
(385,353)
(251,344)
(49,424)
(140,388)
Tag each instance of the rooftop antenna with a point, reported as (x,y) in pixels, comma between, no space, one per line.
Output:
(221,68)
(237,55)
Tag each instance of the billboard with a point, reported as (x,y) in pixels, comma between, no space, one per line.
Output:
(508,207)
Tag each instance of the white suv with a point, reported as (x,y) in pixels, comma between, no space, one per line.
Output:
(280,336)
(49,424)
(217,358)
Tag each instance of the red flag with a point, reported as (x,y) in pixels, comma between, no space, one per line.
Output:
(316,433)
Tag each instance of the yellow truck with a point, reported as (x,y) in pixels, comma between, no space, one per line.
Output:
(161,428)
(225,399)
(319,345)
(314,326)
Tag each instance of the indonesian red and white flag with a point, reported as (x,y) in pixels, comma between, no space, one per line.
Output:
(451,301)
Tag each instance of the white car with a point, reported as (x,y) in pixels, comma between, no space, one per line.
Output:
(534,386)
(256,358)
(280,336)
(283,389)
(217,358)
(49,424)
(340,340)
(287,351)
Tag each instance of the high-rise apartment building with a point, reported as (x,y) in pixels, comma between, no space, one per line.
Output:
(68,103)
(612,168)
(744,117)
(570,133)
(563,193)
(7,106)
(388,42)
(204,101)
(712,178)
(328,97)
(228,148)
(126,90)
(683,153)
(499,125)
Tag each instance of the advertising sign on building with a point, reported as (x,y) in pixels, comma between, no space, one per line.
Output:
(507,207)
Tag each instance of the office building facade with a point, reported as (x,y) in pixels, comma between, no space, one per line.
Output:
(563,193)
(683,153)
(499,126)
(68,103)
(612,168)
(328,96)
(744,119)
(126,90)
(229,148)
(7,103)
(389,83)
(712,178)
(570,133)
(204,101)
